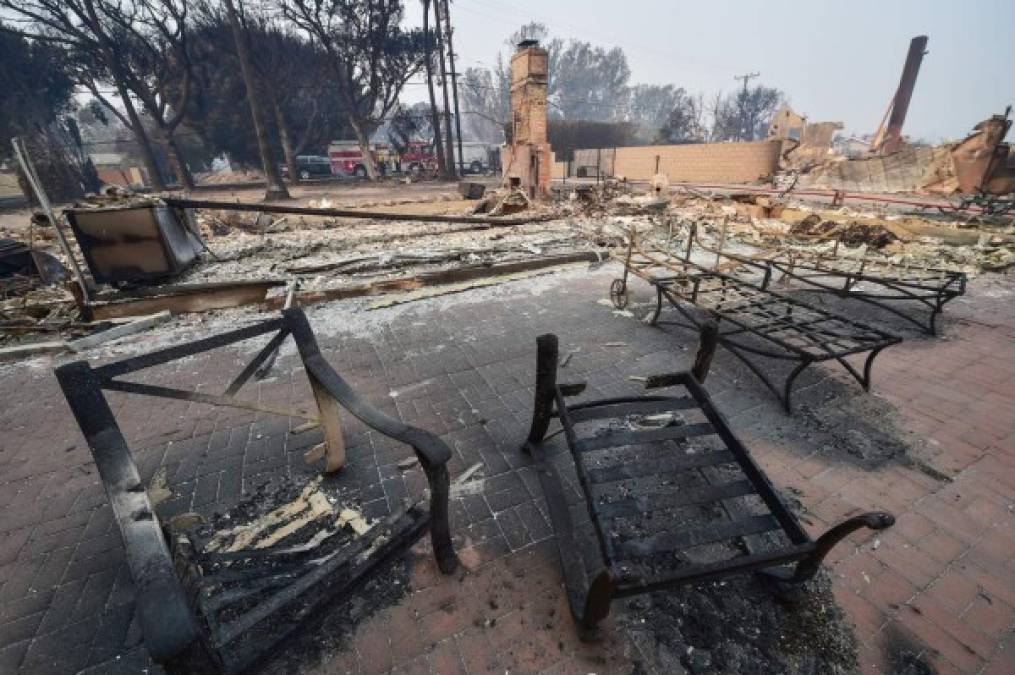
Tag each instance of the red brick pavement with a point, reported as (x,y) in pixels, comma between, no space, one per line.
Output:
(938,586)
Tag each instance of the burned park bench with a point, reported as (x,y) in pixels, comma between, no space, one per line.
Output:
(907,291)
(755,323)
(672,494)
(224,609)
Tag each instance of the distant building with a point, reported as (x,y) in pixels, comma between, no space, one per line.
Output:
(786,125)
(113,169)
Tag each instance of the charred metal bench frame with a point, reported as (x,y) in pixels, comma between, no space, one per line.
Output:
(590,598)
(929,287)
(176,633)
(789,329)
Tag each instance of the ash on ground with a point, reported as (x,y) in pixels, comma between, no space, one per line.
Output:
(325,630)
(737,626)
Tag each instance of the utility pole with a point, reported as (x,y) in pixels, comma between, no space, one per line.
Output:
(454,88)
(435,119)
(276,188)
(746,77)
(438,31)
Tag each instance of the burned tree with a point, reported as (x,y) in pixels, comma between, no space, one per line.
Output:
(370,56)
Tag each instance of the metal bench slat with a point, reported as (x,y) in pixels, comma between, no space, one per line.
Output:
(686,497)
(616,439)
(680,541)
(665,464)
(638,407)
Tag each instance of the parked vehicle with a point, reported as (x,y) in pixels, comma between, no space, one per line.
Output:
(418,158)
(478,157)
(310,166)
(347,159)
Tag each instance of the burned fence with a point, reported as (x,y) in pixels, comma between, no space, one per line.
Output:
(199,609)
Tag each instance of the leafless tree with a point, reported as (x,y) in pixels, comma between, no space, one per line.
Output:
(371,57)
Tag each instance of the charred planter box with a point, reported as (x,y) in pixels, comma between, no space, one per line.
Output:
(134,243)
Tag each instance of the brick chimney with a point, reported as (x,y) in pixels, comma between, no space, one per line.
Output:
(530,159)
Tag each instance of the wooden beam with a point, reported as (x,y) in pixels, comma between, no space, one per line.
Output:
(449,276)
(181,299)
(353,213)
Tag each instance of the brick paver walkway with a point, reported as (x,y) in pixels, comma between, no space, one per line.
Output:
(936,588)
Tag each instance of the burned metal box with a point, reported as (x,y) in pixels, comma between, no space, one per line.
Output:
(134,243)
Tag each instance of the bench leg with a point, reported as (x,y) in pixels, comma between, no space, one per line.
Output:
(708,340)
(546,386)
(440,527)
(785,582)
(654,318)
(597,603)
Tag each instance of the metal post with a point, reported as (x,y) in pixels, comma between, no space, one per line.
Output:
(40,195)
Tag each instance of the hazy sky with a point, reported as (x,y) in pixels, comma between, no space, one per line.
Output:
(836,61)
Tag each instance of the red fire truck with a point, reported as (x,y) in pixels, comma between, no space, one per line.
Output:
(418,157)
(347,159)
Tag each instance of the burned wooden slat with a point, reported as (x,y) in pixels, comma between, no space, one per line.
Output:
(626,491)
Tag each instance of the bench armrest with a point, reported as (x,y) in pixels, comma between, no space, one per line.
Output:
(431,449)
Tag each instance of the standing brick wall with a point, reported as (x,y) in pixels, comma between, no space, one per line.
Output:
(700,162)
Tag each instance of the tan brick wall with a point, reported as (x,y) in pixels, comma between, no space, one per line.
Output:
(700,162)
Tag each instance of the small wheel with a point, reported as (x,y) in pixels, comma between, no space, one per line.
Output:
(475,167)
(360,171)
(618,293)
(305,174)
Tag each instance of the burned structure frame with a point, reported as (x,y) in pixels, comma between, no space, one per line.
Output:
(754,321)
(178,632)
(620,573)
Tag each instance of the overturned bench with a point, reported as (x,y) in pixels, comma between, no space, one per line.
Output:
(672,494)
(195,617)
